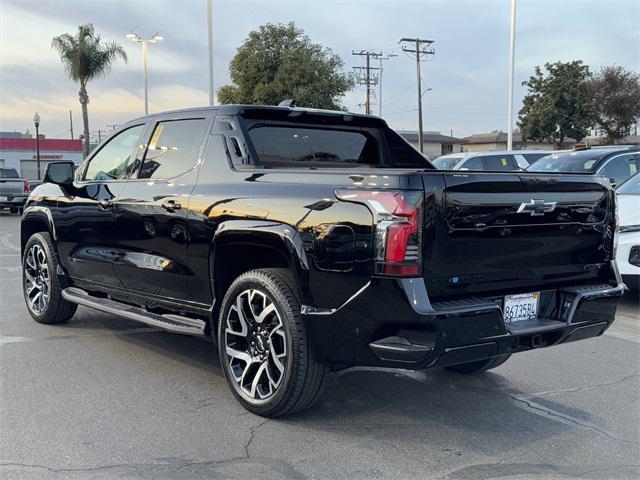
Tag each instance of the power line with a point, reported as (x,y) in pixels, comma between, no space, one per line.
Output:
(420,47)
(366,79)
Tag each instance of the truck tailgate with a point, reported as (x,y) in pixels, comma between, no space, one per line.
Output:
(499,232)
(10,187)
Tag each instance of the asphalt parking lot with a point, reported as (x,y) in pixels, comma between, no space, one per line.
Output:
(102,397)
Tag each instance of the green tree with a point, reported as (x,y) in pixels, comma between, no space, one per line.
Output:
(615,94)
(557,104)
(277,62)
(86,57)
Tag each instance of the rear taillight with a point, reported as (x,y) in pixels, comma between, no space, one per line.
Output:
(397,216)
(25,187)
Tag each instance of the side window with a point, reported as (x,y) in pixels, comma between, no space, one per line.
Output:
(619,168)
(173,148)
(472,164)
(532,157)
(403,155)
(499,162)
(111,162)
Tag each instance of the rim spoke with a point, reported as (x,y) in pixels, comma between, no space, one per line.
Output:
(30,260)
(265,312)
(243,356)
(256,379)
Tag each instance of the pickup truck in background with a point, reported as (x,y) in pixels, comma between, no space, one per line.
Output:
(13,190)
(306,241)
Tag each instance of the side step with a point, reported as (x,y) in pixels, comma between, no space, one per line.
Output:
(172,323)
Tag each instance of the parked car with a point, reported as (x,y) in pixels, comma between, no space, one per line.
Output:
(489,161)
(13,190)
(308,241)
(616,163)
(628,253)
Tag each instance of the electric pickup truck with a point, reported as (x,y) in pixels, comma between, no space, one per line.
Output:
(307,241)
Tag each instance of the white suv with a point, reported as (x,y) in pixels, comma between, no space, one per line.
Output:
(628,253)
(491,161)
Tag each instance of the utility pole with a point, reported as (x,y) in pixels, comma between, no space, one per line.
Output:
(99,132)
(71,124)
(380,70)
(367,80)
(512,57)
(417,51)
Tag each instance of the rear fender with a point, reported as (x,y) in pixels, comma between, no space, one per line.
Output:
(274,235)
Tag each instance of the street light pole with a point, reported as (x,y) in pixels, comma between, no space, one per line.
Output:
(146,83)
(36,121)
(210,35)
(136,38)
(512,56)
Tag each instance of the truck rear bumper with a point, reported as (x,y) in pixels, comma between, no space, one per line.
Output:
(10,201)
(391,323)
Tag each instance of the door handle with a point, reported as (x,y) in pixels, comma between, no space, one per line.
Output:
(171,205)
(105,204)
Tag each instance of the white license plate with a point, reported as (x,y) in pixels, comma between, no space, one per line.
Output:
(3,199)
(521,307)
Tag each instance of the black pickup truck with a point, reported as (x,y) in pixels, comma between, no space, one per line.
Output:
(307,241)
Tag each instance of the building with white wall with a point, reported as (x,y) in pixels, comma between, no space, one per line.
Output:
(20,153)
(434,144)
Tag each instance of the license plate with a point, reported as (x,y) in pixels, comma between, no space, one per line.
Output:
(521,307)
(3,199)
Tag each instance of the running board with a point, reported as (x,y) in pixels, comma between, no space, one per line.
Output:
(172,323)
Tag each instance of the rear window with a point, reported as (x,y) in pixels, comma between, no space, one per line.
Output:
(8,173)
(303,147)
(447,163)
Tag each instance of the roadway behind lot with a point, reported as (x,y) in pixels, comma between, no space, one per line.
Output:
(102,397)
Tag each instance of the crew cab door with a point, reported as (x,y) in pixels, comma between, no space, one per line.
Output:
(85,217)
(152,209)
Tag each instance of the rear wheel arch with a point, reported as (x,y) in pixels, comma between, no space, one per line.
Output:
(240,246)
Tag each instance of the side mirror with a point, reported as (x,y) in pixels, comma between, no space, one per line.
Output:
(613,182)
(60,173)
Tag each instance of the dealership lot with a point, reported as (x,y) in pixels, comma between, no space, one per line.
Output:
(103,397)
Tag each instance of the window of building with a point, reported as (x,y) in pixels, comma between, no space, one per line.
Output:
(173,148)
(111,161)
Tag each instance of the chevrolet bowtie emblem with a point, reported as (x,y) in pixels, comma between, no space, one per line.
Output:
(537,207)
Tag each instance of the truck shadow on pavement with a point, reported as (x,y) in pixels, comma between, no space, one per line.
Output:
(396,401)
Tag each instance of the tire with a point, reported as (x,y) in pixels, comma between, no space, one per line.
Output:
(277,374)
(13,210)
(39,266)
(479,366)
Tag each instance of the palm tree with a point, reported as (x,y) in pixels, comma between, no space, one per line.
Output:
(85,57)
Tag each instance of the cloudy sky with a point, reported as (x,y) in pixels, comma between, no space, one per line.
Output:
(468,75)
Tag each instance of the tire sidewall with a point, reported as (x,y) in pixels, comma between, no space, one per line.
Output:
(256,281)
